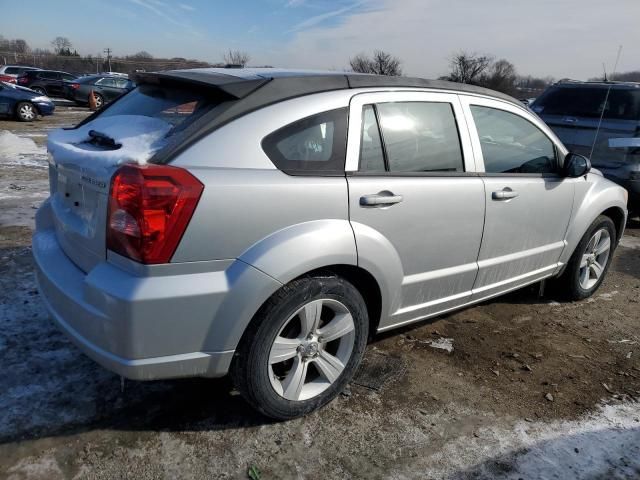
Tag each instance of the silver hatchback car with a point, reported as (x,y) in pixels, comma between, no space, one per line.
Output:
(266,223)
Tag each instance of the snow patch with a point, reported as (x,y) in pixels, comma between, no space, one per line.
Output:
(442,344)
(139,136)
(15,150)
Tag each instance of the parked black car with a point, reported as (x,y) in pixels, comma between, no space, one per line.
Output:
(46,82)
(106,88)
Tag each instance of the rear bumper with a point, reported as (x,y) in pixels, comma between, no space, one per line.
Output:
(140,327)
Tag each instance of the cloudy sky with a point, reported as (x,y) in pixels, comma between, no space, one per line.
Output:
(562,38)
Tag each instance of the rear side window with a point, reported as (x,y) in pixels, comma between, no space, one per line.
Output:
(106,82)
(13,70)
(512,144)
(420,137)
(49,75)
(316,144)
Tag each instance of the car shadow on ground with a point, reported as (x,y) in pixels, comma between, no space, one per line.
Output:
(597,454)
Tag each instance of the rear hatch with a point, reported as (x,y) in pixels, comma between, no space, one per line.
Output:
(83,160)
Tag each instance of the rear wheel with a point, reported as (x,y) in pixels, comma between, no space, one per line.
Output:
(39,90)
(303,347)
(591,260)
(99,100)
(26,112)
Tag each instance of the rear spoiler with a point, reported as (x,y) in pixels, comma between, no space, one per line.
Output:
(230,85)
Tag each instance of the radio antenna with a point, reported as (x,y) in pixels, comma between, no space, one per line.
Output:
(606,99)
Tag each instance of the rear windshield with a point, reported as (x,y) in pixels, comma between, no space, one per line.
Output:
(179,107)
(622,104)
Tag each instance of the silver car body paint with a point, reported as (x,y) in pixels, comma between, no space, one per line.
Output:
(446,245)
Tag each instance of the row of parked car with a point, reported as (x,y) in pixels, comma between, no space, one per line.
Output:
(25,91)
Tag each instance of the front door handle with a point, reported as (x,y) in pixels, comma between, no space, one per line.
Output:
(380,199)
(504,194)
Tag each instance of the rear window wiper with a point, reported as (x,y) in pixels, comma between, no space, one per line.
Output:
(103,140)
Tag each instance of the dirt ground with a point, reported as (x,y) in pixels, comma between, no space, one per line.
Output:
(533,387)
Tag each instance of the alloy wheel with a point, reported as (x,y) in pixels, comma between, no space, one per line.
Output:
(27,112)
(594,259)
(311,349)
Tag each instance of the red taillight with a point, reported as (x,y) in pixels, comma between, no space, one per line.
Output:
(150,207)
(75,86)
(23,79)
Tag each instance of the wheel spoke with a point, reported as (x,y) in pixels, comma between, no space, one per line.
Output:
(283,349)
(329,366)
(293,383)
(603,246)
(597,269)
(339,326)
(584,277)
(595,240)
(310,317)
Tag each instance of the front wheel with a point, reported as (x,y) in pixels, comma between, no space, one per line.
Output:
(26,112)
(591,259)
(302,347)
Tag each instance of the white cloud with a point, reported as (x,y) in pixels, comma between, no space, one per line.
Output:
(318,19)
(166,12)
(186,7)
(564,39)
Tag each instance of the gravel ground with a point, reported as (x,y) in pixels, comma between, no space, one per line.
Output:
(520,387)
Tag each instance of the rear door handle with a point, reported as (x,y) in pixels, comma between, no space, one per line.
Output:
(505,194)
(380,199)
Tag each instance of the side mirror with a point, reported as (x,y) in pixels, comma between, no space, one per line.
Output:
(576,165)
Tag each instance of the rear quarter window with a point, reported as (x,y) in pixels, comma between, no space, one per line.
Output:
(312,145)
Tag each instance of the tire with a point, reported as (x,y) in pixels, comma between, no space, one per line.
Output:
(585,258)
(39,90)
(271,386)
(26,112)
(99,100)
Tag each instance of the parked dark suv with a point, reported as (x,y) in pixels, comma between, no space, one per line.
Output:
(573,110)
(46,82)
(106,88)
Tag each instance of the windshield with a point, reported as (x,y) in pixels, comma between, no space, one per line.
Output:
(622,104)
(179,107)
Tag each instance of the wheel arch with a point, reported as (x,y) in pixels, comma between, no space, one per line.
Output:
(602,198)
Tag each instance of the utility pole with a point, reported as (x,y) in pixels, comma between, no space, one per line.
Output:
(108,52)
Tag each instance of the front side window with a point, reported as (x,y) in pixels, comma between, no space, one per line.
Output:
(420,137)
(313,144)
(48,75)
(512,144)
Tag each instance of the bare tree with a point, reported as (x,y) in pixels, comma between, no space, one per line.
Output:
(236,57)
(61,44)
(467,67)
(501,76)
(382,63)
(142,55)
